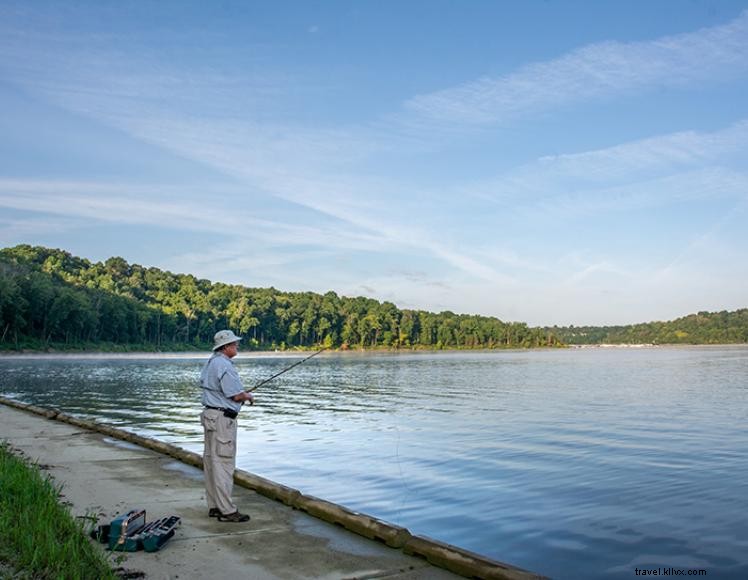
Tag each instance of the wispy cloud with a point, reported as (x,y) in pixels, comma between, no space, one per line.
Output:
(593,72)
(605,267)
(711,184)
(245,260)
(655,154)
(167,207)
(709,238)
(651,172)
(109,203)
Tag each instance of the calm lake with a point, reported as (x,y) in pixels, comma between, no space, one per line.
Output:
(576,463)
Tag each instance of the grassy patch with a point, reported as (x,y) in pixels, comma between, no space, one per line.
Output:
(39,538)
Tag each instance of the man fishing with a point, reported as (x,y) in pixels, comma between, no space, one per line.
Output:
(223,397)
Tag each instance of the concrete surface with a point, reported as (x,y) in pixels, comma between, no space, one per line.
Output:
(105,477)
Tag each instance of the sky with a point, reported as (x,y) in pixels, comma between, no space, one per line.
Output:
(551,162)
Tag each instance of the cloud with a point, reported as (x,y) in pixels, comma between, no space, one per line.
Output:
(375,207)
(240,260)
(709,184)
(593,72)
(666,169)
(167,207)
(660,153)
(706,245)
(587,272)
(111,203)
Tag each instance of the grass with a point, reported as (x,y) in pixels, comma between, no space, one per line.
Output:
(39,538)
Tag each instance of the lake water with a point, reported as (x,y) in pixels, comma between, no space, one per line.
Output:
(577,463)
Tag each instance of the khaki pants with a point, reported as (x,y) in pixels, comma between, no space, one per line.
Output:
(219,459)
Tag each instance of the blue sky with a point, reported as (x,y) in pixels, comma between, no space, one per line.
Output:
(548,162)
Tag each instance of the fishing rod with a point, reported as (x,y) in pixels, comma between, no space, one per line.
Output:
(297,363)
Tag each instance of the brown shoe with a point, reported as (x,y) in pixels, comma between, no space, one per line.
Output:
(214,512)
(235,517)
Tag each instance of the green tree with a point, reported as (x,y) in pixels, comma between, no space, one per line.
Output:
(51,296)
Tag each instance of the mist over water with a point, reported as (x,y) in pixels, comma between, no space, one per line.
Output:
(578,463)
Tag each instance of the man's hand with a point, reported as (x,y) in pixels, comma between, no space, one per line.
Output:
(244,397)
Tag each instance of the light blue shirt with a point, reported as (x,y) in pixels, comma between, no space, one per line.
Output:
(220,382)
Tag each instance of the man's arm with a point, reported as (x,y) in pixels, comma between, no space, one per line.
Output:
(231,385)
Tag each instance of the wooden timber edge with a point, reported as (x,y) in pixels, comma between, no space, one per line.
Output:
(440,554)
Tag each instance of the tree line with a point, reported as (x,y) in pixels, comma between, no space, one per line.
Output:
(702,328)
(52,299)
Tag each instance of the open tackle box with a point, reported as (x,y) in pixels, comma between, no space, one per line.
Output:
(129,532)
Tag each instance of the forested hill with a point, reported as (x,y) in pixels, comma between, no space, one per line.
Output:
(51,299)
(702,328)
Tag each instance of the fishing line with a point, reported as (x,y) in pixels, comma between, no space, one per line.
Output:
(403,481)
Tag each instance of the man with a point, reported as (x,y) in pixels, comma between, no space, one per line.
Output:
(223,397)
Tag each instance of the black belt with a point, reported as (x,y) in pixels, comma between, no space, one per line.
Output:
(226,412)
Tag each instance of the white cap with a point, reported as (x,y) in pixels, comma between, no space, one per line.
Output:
(224,337)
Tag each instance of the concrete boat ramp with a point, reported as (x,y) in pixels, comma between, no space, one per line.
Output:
(287,537)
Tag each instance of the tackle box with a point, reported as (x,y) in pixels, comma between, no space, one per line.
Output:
(129,532)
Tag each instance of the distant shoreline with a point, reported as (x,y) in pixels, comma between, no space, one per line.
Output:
(666,345)
(202,354)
